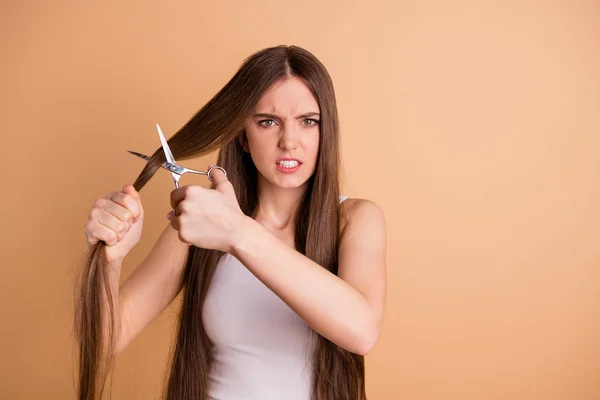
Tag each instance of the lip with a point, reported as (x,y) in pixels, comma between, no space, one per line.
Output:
(285,170)
(287,159)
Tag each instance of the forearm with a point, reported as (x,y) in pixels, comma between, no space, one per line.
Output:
(331,306)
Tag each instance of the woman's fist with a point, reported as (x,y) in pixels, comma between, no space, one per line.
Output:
(116,220)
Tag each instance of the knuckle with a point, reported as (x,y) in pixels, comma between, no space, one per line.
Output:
(89,228)
(117,197)
(182,207)
(190,192)
(91,239)
(128,215)
(198,190)
(110,238)
(183,233)
(94,213)
(134,208)
(129,201)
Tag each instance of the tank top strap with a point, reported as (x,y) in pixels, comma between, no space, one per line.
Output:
(342,198)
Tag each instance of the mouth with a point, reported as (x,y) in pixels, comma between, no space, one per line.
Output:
(288,164)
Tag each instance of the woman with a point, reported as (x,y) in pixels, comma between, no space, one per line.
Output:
(283,279)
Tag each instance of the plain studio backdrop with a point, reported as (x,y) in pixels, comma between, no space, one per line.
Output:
(474,125)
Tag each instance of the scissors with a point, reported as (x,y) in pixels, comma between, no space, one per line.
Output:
(171,165)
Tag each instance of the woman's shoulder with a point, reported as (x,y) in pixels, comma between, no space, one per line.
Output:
(353,209)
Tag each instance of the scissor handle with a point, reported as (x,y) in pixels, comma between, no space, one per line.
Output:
(213,168)
(179,170)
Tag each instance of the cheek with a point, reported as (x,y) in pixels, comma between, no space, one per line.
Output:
(253,141)
(259,149)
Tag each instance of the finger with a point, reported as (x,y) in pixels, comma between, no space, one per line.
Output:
(175,222)
(118,227)
(98,232)
(130,189)
(177,195)
(182,239)
(118,211)
(171,214)
(129,202)
(215,174)
(219,178)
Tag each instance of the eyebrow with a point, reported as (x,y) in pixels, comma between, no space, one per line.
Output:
(273,116)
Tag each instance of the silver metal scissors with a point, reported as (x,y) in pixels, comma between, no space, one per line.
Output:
(171,165)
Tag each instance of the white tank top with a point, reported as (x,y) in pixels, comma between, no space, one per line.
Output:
(261,347)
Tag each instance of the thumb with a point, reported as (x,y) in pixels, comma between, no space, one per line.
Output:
(130,190)
(219,178)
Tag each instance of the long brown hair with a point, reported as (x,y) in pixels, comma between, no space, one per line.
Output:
(219,125)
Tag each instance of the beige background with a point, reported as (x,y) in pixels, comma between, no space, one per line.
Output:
(475,127)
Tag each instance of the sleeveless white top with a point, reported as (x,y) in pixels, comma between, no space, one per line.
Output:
(261,347)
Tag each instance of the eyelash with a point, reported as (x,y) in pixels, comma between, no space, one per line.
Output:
(314,122)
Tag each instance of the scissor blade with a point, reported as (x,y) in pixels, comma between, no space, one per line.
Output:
(140,155)
(165,146)
(165,165)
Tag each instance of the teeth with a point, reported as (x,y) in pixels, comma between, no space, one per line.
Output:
(288,164)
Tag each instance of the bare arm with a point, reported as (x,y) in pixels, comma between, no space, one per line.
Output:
(150,288)
(348,308)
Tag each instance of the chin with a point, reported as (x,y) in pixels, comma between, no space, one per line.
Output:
(285,181)
(289,184)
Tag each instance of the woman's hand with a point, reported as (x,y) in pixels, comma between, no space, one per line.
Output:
(207,218)
(117,220)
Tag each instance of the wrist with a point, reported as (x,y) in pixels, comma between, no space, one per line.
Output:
(116,263)
(244,229)
(113,262)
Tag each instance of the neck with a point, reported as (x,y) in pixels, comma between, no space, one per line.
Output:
(278,207)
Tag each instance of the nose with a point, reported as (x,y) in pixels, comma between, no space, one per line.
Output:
(290,136)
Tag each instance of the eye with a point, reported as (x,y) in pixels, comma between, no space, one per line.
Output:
(267,123)
(310,122)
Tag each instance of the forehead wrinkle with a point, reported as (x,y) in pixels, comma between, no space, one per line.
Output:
(295,111)
(288,98)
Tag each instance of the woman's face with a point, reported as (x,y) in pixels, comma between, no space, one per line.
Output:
(283,134)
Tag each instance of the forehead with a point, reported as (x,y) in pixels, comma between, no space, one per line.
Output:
(285,96)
